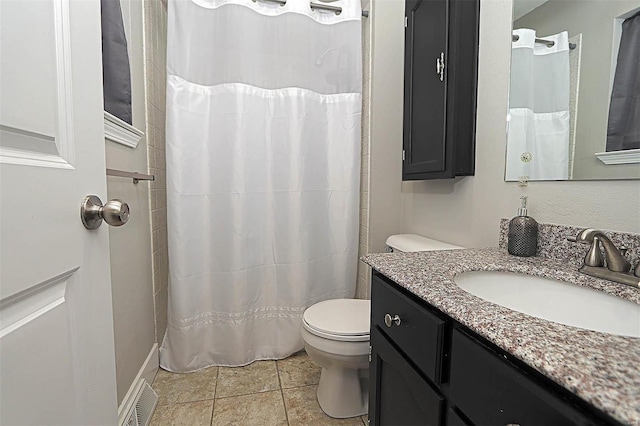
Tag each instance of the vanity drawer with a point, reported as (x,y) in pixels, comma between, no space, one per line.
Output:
(420,333)
(490,390)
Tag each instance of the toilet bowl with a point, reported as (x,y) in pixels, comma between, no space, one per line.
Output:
(336,337)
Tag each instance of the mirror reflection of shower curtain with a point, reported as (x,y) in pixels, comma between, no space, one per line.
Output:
(263,174)
(539,118)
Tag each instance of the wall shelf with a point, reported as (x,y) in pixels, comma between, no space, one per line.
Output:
(121,132)
(627,156)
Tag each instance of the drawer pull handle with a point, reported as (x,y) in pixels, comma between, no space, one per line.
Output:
(389,320)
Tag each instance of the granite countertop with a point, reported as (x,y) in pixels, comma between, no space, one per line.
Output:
(603,369)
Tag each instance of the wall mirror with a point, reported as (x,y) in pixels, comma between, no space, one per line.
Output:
(567,59)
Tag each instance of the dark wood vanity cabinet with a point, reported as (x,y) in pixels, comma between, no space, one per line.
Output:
(405,393)
(490,390)
(428,369)
(440,80)
(403,396)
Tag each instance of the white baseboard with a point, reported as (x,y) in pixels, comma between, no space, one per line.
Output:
(151,365)
(148,372)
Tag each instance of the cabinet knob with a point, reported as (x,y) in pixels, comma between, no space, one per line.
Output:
(389,320)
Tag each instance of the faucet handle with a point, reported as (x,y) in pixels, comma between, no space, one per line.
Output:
(594,255)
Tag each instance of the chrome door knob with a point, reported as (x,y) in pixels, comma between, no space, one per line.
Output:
(115,212)
(92,212)
(389,320)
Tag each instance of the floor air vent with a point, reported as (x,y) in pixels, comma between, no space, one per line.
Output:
(141,412)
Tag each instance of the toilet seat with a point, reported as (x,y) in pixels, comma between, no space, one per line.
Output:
(345,320)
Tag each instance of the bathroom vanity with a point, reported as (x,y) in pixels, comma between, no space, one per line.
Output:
(441,356)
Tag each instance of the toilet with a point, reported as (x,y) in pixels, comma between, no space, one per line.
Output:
(336,337)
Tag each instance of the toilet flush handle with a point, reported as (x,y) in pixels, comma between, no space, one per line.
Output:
(389,320)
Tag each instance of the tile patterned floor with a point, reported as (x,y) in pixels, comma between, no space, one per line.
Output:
(264,393)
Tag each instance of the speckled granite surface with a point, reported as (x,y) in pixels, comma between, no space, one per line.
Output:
(601,368)
(553,244)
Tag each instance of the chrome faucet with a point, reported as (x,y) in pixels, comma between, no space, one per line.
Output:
(615,258)
(617,266)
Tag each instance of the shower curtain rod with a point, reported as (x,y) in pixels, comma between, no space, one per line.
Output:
(336,9)
(548,43)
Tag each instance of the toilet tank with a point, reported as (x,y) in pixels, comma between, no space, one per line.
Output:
(415,242)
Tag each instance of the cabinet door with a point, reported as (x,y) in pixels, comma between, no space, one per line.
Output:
(491,391)
(398,394)
(425,90)
(462,83)
(455,419)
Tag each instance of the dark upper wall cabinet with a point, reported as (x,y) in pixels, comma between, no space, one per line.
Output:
(440,80)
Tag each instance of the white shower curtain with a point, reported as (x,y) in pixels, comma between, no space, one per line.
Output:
(263,169)
(538,137)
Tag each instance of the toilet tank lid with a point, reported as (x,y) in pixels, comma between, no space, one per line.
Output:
(415,242)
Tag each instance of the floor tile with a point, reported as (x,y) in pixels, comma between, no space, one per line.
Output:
(303,409)
(175,388)
(365,419)
(188,414)
(298,370)
(259,409)
(260,376)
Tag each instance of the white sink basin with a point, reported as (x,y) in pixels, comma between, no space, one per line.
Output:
(555,300)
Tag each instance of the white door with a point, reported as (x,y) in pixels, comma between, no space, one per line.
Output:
(56,334)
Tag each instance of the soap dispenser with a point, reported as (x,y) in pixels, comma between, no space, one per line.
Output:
(523,233)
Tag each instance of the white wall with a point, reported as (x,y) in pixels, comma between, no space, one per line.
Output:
(130,245)
(385,167)
(467,211)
